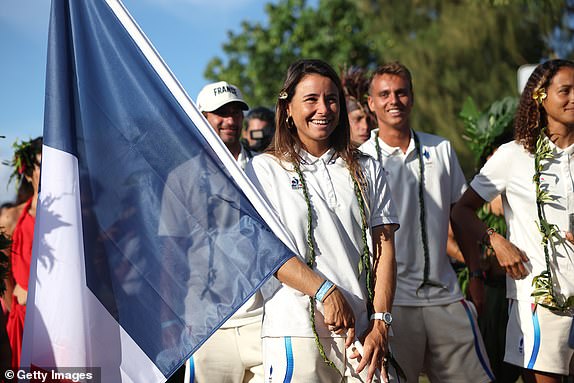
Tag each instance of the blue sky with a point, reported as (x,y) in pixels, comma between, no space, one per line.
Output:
(186,33)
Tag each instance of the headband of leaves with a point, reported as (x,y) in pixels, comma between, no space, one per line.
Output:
(24,158)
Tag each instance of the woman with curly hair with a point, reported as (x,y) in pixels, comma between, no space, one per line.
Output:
(336,205)
(535,176)
(27,161)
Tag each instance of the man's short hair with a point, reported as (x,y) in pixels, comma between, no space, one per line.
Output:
(394,68)
(261,113)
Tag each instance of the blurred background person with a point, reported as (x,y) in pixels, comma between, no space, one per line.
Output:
(10,211)
(259,129)
(27,159)
(361,120)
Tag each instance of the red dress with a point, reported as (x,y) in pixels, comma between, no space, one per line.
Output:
(20,258)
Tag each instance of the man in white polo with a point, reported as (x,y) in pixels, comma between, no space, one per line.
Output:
(232,353)
(434,328)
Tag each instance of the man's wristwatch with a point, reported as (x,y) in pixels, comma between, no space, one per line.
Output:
(385,317)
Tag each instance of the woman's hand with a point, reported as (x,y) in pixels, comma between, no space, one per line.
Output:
(510,257)
(339,316)
(375,349)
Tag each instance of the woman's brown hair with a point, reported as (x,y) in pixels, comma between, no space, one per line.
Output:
(530,116)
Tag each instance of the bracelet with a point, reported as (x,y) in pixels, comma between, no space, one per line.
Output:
(487,234)
(485,244)
(321,293)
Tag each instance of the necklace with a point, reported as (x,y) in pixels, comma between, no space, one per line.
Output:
(543,292)
(422,213)
(364,259)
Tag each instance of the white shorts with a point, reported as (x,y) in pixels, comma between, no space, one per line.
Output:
(443,341)
(537,339)
(230,355)
(294,359)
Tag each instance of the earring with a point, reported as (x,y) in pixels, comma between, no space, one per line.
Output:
(290,123)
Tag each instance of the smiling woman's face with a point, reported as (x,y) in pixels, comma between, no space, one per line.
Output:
(315,111)
(559,103)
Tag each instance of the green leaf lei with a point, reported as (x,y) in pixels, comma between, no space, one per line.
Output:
(544,293)
(364,260)
(422,213)
(24,158)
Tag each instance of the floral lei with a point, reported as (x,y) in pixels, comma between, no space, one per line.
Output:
(422,212)
(544,293)
(364,260)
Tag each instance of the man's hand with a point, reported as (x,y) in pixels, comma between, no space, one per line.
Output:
(375,349)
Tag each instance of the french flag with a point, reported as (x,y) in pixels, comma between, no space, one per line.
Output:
(148,235)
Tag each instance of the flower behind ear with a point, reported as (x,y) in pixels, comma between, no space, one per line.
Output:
(539,95)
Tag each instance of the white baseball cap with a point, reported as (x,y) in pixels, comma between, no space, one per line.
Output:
(213,96)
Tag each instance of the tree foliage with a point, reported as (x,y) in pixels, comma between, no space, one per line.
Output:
(454,49)
(258,56)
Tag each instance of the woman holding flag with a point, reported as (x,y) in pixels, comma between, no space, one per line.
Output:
(336,206)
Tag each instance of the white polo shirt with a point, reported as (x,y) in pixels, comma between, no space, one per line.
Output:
(509,172)
(182,191)
(336,232)
(444,185)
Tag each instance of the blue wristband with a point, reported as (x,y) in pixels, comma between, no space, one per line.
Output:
(325,287)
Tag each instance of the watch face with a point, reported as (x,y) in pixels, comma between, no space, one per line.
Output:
(387,318)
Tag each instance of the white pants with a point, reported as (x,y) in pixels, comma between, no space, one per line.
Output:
(297,360)
(231,355)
